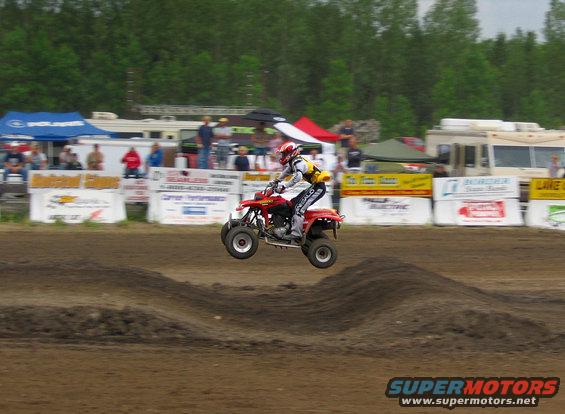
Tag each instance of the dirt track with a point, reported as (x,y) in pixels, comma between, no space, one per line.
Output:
(112,308)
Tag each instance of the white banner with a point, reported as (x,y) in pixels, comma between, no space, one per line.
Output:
(476,188)
(44,180)
(136,190)
(77,206)
(386,210)
(194,181)
(501,212)
(184,208)
(546,213)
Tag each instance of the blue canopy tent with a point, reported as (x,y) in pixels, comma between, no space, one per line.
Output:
(47,126)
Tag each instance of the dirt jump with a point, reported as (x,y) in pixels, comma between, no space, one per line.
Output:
(82,304)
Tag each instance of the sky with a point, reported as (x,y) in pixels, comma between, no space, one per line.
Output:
(505,15)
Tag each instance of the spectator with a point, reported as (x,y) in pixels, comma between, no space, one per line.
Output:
(14,164)
(155,157)
(74,163)
(273,163)
(339,169)
(132,160)
(241,161)
(204,142)
(258,168)
(346,133)
(36,160)
(554,166)
(95,159)
(317,159)
(223,133)
(275,142)
(439,171)
(261,140)
(64,157)
(354,155)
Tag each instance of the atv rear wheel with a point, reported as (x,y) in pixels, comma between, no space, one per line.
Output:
(227,227)
(309,241)
(322,253)
(241,242)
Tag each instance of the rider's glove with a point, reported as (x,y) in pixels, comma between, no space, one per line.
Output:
(280,189)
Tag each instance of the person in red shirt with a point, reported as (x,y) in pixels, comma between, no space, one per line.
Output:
(132,160)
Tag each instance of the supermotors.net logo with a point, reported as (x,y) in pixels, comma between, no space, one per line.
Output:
(452,392)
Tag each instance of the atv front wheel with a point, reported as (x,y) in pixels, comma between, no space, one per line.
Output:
(322,253)
(227,227)
(241,242)
(309,241)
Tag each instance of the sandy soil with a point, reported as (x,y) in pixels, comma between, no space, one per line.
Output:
(160,319)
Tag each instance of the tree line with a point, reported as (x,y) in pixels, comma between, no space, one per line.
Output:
(329,59)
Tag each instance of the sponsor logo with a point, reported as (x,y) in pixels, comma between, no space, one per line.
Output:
(16,123)
(482,209)
(70,201)
(194,210)
(452,392)
(556,215)
(279,118)
(88,181)
(386,204)
(450,187)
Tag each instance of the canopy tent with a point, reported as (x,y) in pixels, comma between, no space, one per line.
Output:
(393,150)
(47,126)
(311,128)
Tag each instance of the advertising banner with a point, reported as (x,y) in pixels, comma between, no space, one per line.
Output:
(408,185)
(77,206)
(194,181)
(476,188)
(184,208)
(548,214)
(386,210)
(136,190)
(500,212)
(43,180)
(547,189)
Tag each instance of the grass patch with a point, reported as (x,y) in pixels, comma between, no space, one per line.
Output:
(14,217)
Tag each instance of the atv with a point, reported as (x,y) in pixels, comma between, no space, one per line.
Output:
(269,217)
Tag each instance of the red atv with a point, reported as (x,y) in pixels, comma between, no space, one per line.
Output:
(269,217)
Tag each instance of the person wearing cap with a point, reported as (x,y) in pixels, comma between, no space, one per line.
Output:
(14,164)
(204,140)
(223,133)
(64,157)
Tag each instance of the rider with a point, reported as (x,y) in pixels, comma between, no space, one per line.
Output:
(300,168)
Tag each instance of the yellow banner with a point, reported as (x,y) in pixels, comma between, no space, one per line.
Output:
(547,189)
(92,181)
(411,185)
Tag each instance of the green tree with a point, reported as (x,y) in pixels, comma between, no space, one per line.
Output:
(395,116)
(337,91)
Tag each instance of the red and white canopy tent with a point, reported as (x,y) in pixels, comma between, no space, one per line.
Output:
(311,128)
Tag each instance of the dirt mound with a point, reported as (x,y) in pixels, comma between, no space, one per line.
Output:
(379,304)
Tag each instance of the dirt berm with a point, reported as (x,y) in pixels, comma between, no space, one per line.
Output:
(381,304)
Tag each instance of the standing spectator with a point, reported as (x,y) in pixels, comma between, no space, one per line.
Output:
(261,140)
(339,169)
(74,163)
(155,157)
(223,133)
(241,161)
(554,166)
(64,157)
(14,164)
(354,155)
(95,159)
(275,142)
(132,160)
(439,171)
(346,133)
(204,142)
(36,160)
(317,159)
